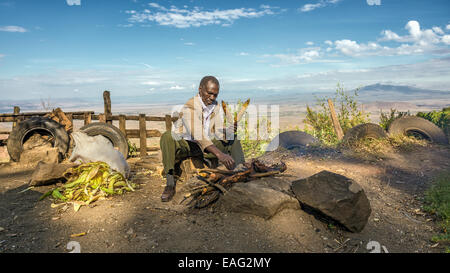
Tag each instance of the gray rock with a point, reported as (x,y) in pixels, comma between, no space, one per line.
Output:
(336,196)
(46,174)
(256,198)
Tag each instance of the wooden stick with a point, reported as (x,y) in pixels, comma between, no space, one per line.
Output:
(16,112)
(217,171)
(122,124)
(258,175)
(334,119)
(107,104)
(87,118)
(142,135)
(168,123)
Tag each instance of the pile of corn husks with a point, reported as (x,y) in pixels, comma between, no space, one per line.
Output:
(89,182)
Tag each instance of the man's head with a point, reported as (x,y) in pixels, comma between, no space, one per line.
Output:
(209,89)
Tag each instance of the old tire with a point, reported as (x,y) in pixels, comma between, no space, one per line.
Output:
(412,125)
(361,131)
(27,127)
(111,132)
(290,140)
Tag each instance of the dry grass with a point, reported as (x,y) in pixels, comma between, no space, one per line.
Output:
(380,148)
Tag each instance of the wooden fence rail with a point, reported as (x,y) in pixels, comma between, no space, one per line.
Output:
(107,117)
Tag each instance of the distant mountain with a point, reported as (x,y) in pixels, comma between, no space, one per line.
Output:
(404,89)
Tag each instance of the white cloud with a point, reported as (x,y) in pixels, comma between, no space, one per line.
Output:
(418,41)
(243,54)
(447,27)
(309,43)
(310,7)
(438,30)
(304,55)
(373,2)
(153,83)
(73,2)
(446,39)
(320,4)
(416,35)
(196,17)
(13,29)
(352,48)
(189,44)
(176,87)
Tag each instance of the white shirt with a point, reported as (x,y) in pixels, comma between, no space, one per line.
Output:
(207,111)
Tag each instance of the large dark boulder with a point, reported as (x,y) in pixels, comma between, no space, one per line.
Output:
(258,198)
(335,196)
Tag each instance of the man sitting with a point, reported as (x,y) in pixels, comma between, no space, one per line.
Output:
(202,138)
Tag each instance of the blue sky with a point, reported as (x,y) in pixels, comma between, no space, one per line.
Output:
(77,48)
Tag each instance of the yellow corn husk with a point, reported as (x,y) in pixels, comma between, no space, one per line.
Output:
(88,183)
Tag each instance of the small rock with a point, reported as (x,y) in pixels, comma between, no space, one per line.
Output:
(48,173)
(130,231)
(2,229)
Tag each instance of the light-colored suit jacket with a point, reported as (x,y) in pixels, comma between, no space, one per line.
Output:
(191,125)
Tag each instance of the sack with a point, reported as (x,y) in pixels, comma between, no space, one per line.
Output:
(98,148)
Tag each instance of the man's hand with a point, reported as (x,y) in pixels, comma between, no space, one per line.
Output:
(227,161)
(222,157)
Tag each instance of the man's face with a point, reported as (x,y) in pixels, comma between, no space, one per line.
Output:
(209,93)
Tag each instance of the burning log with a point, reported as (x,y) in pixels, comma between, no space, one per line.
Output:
(220,181)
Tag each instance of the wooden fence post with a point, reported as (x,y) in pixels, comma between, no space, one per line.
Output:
(142,135)
(16,111)
(87,118)
(122,124)
(168,123)
(334,119)
(70,118)
(107,103)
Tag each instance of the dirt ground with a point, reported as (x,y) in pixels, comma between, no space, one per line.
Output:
(140,222)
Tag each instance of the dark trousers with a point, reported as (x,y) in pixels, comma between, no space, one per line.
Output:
(174,151)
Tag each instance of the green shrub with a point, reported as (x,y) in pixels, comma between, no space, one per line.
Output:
(132,149)
(440,118)
(349,113)
(437,200)
(251,148)
(387,119)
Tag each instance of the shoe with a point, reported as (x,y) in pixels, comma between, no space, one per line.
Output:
(168,193)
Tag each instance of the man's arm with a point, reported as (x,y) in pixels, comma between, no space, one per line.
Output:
(227,160)
(192,120)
